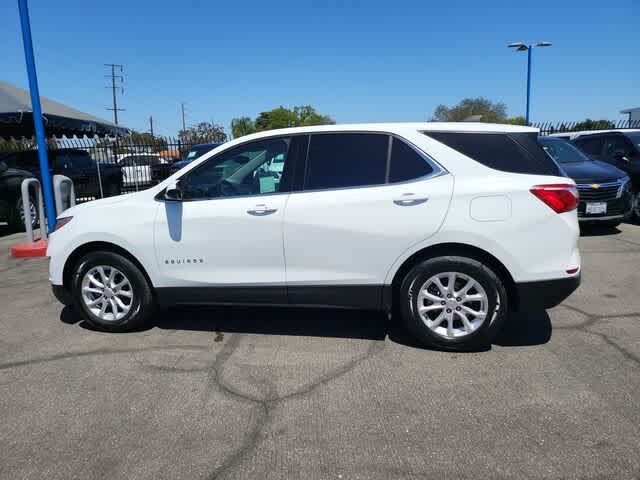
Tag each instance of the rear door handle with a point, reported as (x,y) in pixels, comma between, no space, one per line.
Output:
(409,199)
(261,210)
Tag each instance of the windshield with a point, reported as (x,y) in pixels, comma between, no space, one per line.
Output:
(562,151)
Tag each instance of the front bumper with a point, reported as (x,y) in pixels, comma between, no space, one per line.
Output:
(546,293)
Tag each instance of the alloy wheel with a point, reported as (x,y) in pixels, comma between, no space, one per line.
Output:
(107,293)
(452,304)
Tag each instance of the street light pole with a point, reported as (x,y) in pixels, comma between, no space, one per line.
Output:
(521,47)
(36,109)
(526,117)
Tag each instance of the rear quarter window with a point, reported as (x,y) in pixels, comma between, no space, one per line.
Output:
(507,152)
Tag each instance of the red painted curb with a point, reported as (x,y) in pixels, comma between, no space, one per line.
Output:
(30,249)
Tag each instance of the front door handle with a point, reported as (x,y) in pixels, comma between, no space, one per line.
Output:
(409,199)
(261,210)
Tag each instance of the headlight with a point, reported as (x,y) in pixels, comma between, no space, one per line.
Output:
(61,222)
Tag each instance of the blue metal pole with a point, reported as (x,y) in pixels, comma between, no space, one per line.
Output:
(526,118)
(37,116)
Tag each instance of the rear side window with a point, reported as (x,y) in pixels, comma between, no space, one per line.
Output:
(508,152)
(339,160)
(406,163)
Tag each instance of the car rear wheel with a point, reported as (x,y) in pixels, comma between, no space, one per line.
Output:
(453,303)
(111,292)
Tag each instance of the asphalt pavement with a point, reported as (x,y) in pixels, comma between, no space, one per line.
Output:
(322,394)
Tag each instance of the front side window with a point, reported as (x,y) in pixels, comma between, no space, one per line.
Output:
(242,171)
(591,146)
(80,160)
(339,160)
(614,145)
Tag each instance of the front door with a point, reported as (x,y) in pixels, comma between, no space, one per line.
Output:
(223,242)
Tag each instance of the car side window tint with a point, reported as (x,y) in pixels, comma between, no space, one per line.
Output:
(616,143)
(251,169)
(338,160)
(79,160)
(406,163)
(591,146)
(507,152)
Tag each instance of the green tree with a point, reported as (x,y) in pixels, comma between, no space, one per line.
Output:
(242,126)
(144,139)
(516,120)
(203,132)
(280,117)
(489,111)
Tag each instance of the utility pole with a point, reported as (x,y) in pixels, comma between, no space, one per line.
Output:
(184,126)
(151,124)
(114,85)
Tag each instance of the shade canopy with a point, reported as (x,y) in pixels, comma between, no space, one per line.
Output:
(16,117)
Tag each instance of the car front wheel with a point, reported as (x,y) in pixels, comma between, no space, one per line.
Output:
(111,292)
(453,303)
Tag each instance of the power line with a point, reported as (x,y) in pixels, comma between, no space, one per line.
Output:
(114,85)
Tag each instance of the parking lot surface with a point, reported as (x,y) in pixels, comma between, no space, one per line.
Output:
(316,394)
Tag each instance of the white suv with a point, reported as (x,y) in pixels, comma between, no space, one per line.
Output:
(450,225)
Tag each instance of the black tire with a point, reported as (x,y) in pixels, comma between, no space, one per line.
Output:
(16,222)
(496,301)
(142,303)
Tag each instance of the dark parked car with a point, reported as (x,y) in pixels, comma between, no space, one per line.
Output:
(619,148)
(11,210)
(195,152)
(75,164)
(605,191)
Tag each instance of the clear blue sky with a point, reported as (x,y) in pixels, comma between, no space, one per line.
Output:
(365,61)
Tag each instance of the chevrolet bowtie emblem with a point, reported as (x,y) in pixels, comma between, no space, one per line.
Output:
(595,185)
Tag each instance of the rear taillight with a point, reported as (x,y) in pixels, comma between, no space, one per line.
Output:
(559,197)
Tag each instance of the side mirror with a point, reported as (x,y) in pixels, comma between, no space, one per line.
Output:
(620,155)
(3,167)
(173,193)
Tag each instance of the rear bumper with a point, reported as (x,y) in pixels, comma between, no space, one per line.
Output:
(545,293)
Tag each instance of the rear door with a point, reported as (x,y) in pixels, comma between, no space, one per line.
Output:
(365,198)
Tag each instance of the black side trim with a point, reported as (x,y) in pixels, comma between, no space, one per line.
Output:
(545,293)
(366,297)
(168,296)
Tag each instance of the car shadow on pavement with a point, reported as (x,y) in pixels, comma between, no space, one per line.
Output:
(522,329)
